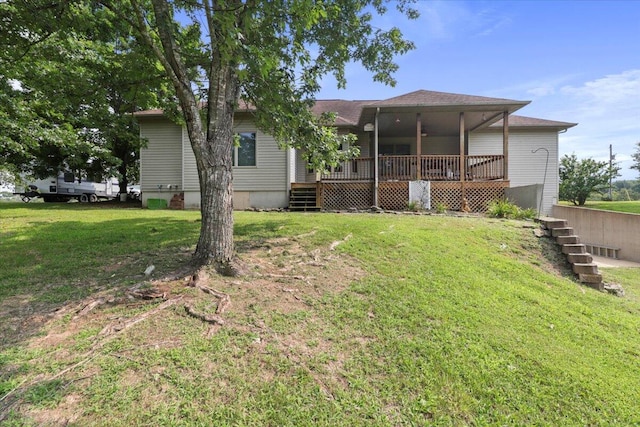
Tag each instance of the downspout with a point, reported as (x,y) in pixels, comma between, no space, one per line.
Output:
(375,159)
(544,180)
(288,174)
(505,145)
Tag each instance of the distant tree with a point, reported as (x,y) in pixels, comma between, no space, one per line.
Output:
(636,158)
(580,178)
(69,84)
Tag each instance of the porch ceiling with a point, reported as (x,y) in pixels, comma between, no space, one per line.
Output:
(402,122)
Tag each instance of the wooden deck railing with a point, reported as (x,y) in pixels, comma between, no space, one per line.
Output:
(485,168)
(432,168)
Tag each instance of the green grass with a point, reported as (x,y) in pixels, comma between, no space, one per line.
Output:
(629,207)
(451,321)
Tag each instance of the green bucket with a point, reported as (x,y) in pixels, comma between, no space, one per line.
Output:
(156,203)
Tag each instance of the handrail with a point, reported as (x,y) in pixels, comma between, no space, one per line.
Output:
(441,167)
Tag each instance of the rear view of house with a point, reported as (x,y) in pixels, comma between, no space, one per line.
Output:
(465,147)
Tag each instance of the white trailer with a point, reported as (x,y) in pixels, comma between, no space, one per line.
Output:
(66,187)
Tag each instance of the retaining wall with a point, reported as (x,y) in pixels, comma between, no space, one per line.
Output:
(604,228)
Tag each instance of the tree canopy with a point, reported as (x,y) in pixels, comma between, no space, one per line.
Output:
(70,81)
(636,158)
(580,178)
(78,84)
(269,54)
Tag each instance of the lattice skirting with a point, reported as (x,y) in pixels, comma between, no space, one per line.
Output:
(478,194)
(346,195)
(395,195)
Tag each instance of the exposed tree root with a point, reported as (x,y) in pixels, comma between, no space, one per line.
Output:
(121,326)
(224,301)
(209,318)
(107,334)
(335,244)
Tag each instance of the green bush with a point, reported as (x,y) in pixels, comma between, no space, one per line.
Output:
(441,208)
(505,209)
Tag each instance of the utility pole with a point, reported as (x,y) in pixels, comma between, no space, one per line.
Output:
(610,171)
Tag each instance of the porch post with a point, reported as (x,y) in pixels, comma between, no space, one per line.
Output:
(418,146)
(375,159)
(463,172)
(505,144)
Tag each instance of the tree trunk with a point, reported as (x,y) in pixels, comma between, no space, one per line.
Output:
(213,155)
(211,142)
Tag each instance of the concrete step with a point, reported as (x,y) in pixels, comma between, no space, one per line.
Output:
(592,280)
(584,268)
(562,231)
(564,240)
(580,258)
(553,222)
(574,248)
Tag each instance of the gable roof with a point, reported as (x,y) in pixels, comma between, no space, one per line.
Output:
(428,98)
(353,113)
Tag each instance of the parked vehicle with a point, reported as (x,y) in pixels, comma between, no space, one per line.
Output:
(133,191)
(66,187)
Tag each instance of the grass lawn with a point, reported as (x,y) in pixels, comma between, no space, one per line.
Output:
(342,319)
(629,207)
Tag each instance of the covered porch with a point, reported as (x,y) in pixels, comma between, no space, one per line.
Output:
(421,136)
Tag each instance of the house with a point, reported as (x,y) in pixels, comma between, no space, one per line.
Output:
(465,147)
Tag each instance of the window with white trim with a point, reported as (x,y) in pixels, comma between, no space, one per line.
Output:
(245,153)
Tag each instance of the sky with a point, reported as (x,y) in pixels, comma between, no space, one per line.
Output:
(576,61)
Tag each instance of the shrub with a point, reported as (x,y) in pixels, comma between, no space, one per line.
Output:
(505,209)
(441,208)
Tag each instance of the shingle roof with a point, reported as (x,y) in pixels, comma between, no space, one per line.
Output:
(522,121)
(431,98)
(348,112)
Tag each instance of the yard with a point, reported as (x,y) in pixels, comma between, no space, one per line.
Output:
(629,207)
(342,319)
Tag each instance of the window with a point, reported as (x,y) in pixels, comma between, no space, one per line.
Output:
(245,153)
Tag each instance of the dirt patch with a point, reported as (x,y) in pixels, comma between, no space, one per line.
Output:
(285,279)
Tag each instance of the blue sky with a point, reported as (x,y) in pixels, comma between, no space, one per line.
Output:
(577,61)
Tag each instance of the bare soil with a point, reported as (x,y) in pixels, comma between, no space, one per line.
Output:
(284,278)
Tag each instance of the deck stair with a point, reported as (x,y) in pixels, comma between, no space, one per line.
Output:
(581,261)
(303,198)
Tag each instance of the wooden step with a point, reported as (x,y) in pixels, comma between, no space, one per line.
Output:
(303,198)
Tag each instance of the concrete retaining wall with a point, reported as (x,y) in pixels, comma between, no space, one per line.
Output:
(604,228)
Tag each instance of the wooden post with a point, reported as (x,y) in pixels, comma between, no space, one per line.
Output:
(463,171)
(375,159)
(418,146)
(505,145)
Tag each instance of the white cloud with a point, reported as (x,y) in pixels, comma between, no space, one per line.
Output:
(608,112)
(446,20)
(620,92)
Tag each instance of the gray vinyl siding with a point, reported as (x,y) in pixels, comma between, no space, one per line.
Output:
(189,167)
(270,172)
(160,161)
(525,167)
